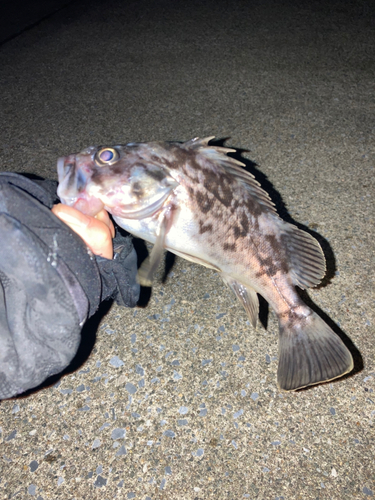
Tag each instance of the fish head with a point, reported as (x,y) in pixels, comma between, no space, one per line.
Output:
(117,178)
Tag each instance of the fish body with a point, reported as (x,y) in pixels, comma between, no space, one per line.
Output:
(195,201)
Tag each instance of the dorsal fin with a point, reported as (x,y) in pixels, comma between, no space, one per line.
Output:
(218,155)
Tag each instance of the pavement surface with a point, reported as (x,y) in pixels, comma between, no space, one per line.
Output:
(179,400)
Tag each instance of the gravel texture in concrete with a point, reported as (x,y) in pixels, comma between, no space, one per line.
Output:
(179,400)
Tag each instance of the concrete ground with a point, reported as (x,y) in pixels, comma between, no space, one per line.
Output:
(179,400)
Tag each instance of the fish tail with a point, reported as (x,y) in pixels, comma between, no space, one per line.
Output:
(309,352)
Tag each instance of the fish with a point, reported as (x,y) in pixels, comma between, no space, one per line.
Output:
(194,200)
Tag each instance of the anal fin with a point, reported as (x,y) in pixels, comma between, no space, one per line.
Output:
(247,297)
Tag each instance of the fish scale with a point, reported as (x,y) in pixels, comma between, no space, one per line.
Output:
(195,201)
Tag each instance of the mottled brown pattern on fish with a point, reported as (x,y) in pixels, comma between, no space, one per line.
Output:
(204,201)
(215,192)
(204,228)
(277,250)
(137,189)
(230,247)
(158,175)
(230,214)
(220,189)
(101,173)
(244,222)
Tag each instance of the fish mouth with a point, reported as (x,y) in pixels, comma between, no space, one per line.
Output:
(63,168)
(66,176)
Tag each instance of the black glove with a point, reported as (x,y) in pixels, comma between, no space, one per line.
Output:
(50,283)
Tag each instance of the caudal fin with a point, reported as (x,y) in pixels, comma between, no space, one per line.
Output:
(309,352)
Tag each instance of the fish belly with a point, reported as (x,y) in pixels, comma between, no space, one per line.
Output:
(182,238)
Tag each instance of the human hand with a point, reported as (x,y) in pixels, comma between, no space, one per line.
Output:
(97,232)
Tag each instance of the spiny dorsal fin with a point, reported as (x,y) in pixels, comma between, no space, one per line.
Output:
(218,155)
(196,142)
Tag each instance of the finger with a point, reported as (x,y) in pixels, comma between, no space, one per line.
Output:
(98,238)
(104,217)
(70,215)
(75,216)
(95,233)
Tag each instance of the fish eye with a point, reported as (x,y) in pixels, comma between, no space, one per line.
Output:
(106,156)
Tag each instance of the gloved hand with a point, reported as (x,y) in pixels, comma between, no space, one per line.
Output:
(50,283)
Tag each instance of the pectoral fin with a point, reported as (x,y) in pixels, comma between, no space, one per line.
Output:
(148,267)
(246,295)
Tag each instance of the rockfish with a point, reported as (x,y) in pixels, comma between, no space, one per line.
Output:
(195,201)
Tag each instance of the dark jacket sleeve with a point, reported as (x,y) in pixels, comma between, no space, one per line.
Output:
(50,283)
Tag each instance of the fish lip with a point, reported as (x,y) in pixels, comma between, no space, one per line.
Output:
(69,201)
(64,167)
(60,168)
(65,164)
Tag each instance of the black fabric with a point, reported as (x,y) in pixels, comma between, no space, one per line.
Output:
(43,190)
(30,204)
(39,323)
(49,284)
(119,275)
